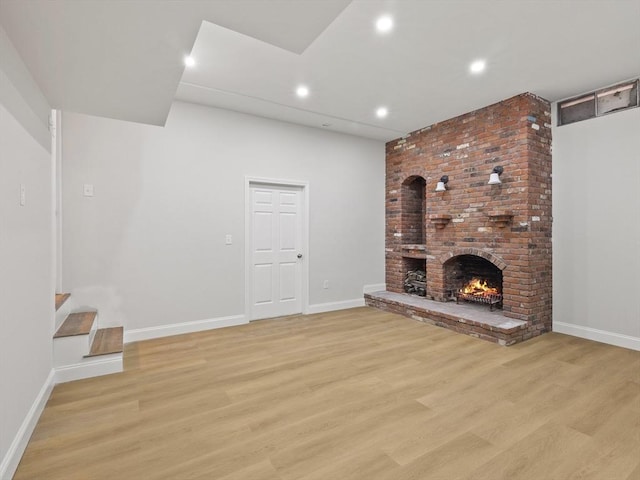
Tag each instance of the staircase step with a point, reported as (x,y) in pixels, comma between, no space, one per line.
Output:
(61,298)
(106,341)
(79,323)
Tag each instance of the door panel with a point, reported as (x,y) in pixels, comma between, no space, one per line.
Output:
(263,197)
(288,232)
(262,285)
(287,282)
(262,233)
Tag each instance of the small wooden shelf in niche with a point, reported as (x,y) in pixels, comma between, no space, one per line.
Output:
(414,251)
(501,218)
(439,220)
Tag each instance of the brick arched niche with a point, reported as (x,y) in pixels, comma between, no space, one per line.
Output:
(413,213)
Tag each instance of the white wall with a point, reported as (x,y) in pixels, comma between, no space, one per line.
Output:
(148,249)
(26,287)
(596,228)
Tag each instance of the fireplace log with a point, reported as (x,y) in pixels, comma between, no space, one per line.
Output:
(415,282)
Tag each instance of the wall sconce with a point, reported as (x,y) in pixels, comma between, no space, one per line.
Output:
(494,178)
(441,187)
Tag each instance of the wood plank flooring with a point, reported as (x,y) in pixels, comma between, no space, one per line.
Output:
(355,394)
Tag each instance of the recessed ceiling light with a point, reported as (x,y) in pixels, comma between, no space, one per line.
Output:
(189,61)
(478,66)
(384,24)
(382,112)
(302,91)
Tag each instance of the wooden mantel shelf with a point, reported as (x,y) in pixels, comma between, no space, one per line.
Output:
(418,246)
(501,218)
(440,220)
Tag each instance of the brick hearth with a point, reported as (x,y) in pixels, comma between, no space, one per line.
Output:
(509,224)
(481,323)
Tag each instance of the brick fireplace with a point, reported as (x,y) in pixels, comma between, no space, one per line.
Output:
(499,232)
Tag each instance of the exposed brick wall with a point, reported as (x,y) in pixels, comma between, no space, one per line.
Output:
(515,134)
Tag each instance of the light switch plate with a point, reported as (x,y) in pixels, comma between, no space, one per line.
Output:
(88,190)
(228,239)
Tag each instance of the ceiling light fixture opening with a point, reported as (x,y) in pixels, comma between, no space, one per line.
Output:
(384,24)
(382,112)
(477,66)
(189,61)
(302,91)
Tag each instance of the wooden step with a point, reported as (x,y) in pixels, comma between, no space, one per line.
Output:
(106,341)
(79,323)
(61,298)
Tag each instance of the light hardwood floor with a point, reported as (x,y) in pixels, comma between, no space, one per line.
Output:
(356,394)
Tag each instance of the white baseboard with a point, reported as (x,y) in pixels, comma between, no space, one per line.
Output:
(377,287)
(181,328)
(344,304)
(96,366)
(332,306)
(19,444)
(617,339)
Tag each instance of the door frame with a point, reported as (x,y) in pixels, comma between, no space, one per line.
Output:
(55,126)
(303,185)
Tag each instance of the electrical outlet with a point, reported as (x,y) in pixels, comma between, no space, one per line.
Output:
(325,284)
(23,195)
(88,190)
(228,239)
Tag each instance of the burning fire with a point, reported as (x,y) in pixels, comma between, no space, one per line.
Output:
(478,288)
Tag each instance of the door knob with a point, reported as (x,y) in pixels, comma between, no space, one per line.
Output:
(299,255)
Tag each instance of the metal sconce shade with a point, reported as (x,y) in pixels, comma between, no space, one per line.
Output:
(441,184)
(494,178)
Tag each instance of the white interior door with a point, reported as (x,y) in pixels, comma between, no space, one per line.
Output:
(276,254)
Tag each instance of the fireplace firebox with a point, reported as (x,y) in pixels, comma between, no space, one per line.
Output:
(473,279)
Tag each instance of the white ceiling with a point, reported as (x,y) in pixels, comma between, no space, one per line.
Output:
(123,59)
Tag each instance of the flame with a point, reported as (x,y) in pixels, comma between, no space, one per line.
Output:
(478,288)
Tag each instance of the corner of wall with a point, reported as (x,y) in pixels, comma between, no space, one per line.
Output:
(20,94)
(19,444)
